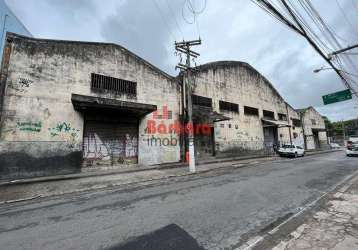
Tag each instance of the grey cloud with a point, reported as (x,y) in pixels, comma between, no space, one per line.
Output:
(140,27)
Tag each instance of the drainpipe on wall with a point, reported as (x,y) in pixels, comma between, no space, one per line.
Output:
(288,121)
(303,131)
(3,77)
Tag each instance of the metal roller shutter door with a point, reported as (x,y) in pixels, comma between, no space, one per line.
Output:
(110,143)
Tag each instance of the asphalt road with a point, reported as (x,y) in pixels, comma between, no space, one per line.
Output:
(208,211)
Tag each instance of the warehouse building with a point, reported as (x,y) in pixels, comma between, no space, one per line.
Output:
(258,118)
(68,105)
(315,134)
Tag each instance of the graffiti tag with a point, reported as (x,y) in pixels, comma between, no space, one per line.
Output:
(29,126)
(24,82)
(63,128)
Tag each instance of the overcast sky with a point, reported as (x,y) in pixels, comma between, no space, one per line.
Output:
(230,30)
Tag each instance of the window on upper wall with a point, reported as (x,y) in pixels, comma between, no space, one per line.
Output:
(282,117)
(228,106)
(269,114)
(296,122)
(107,83)
(251,111)
(313,121)
(202,101)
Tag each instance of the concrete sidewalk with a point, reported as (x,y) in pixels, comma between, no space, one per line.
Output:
(31,190)
(335,226)
(88,181)
(112,171)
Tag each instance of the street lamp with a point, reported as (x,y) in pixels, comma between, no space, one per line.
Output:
(320,69)
(323,68)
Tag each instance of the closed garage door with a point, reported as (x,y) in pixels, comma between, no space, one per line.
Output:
(109,143)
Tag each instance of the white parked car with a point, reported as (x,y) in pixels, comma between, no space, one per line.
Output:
(352,149)
(291,150)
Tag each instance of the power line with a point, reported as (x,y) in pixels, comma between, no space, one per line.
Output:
(328,33)
(190,6)
(175,19)
(164,19)
(346,18)
(196,12)
(183,15)
(293,19)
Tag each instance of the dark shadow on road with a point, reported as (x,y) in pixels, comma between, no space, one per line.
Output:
(169,237)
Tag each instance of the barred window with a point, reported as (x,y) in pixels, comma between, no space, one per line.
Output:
(282,117)
(296,122)
(269,114)
(251,111)
(201,101)
(228,106)
(102,82)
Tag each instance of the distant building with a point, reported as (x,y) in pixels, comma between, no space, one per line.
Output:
(315,135)
(10,23)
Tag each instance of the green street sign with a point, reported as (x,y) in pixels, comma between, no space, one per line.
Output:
(339,96)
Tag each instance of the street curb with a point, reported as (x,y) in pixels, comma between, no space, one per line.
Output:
(263,241)
(89,174)
(323,152)
(157,167)
(248,164)
(144,182)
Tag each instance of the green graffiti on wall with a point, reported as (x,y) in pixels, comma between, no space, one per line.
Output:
(63,128)
(29,126)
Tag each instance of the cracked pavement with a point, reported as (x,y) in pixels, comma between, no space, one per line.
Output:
(333,227)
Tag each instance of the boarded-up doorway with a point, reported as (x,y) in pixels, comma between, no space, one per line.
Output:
(204,144)
(317,144)
(107,142)
(270,136)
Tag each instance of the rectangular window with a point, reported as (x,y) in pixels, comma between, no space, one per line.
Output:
(228,106)
(296,122)
(313,121)
(269,114)
(101,82)
(282,117)
(251,111)
(201,101)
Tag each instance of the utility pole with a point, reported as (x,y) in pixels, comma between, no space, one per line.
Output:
(185,48)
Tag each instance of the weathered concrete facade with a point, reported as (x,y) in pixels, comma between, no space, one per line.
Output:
(314,129)
(68,105)
(40,128)
(240,84)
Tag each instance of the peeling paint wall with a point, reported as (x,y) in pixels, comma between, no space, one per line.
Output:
(37,108)
(238,82)
(311,120)
(296,131)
